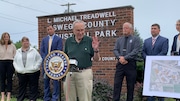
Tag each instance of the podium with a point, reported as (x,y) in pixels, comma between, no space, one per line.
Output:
(56,66)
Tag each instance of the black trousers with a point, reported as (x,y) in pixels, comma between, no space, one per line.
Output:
(6,73)
(29,78)
(129,71)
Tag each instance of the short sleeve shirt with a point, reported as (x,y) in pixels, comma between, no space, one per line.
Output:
(82,51)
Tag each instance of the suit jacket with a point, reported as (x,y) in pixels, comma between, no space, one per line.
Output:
(160,47)
(132,49)
(174,45)
(56,45)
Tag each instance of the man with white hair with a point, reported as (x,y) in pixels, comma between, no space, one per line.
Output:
(126,50)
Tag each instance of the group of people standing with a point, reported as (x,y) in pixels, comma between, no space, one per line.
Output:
(26,61)
(126,49)
(158,45)
(82,48)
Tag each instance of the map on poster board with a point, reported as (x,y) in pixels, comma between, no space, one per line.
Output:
(162,76)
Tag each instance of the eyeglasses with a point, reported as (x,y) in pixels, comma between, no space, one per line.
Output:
(177,24)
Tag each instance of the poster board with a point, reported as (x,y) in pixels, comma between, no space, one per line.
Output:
(162,76)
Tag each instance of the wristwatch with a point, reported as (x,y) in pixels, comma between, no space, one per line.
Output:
(96,51)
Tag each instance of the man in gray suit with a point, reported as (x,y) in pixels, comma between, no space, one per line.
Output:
(126,50)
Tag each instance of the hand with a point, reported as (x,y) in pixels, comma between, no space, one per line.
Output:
(122,60)
(95,43)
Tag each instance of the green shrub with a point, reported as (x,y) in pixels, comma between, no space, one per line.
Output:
(102,91)
(140,72)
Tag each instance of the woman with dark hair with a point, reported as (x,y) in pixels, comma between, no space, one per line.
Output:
(7,52)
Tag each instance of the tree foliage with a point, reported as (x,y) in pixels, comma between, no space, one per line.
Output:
(136,32)
(18,44)
(140,63)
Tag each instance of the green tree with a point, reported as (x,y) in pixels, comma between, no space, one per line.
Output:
(18,44)
(136,32)
(140,62)
(140,70)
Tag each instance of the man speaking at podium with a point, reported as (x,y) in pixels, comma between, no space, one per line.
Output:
(79,81)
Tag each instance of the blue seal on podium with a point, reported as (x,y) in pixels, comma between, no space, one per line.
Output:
(56,65)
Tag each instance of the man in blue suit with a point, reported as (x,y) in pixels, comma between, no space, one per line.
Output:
(155,45)
(48,44)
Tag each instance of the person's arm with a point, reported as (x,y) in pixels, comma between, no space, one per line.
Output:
(14,50)
(165,47)
(173,47)
(116,49)
(16,63)
(38,60)
(42,49)
(95,46)
(65,47)
(96,56)
(136,49)
(144,51)
(60,44)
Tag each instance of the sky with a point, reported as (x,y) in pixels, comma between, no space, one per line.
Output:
(19,17)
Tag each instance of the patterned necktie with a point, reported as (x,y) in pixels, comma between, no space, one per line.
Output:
(50,43)
(153,41)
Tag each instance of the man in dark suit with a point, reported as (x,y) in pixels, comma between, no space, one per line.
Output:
(48,44)
(155,45)
(126,50)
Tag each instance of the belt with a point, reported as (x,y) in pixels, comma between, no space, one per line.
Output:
(84,68)
(77,69)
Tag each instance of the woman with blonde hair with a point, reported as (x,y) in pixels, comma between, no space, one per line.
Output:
(7,52)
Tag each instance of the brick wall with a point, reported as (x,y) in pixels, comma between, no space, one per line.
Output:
(107,28)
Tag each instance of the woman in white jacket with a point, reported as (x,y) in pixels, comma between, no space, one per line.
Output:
(27,63)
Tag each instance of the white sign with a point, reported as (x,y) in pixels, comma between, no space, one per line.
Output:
(82,17)
(162,76)
(108,58)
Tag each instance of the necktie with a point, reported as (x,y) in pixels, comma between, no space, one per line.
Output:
(153,41)
(50,43)
(125,45)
